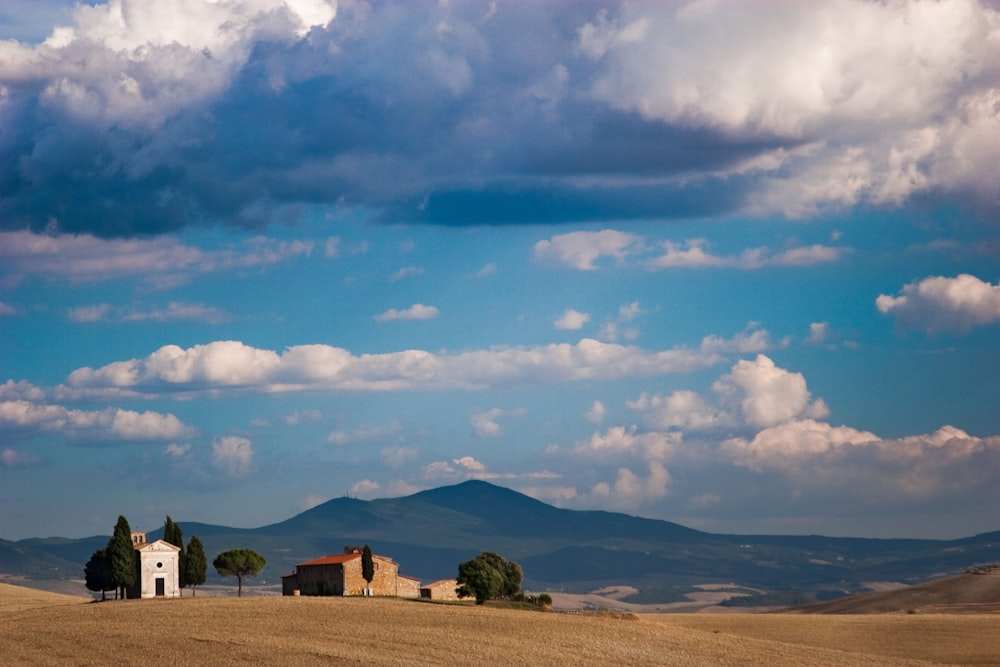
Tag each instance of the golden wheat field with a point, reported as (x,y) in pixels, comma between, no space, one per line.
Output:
(38,628)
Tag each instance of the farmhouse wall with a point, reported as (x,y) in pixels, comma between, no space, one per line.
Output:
(342,575)
(383,583)
(325,579)
(407,587)
(443,589)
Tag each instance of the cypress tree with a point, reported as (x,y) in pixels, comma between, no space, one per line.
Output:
(195,565)
(122,557)
(367,565)
(172,533)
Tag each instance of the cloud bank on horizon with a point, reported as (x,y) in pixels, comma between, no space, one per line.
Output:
(592,251)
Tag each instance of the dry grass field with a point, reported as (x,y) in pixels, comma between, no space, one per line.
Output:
(38,628)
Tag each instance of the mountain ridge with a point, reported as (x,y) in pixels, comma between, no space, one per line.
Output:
(431,531)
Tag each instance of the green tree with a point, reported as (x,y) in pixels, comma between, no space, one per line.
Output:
(367,565)
(172,533)
(195,565)
(122,558)
(96,573)
(478,578)
(239,563)
(509,570)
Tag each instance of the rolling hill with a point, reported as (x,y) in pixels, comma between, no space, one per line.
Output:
(970,592)
(430,532)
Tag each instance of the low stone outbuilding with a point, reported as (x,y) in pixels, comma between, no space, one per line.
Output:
(340,574)
(159,568)
(407,587)
(443,589)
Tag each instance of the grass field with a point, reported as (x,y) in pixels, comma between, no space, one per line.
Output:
(39,628)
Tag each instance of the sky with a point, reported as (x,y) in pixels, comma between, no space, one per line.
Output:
(728,264)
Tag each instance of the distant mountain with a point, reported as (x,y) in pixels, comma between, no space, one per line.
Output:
(431,532)
(24,559)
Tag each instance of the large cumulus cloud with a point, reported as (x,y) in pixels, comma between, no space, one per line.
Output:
(144,117)
(224,366)
(762,435)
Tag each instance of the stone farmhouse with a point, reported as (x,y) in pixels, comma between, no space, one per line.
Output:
(443,589)
(340,574)
(159,569)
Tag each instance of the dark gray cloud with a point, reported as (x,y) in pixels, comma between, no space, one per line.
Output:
(472,114)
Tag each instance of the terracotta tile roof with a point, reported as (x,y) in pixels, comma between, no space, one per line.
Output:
(441,582)
(337,559)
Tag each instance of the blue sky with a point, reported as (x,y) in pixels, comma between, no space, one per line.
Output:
(728,264)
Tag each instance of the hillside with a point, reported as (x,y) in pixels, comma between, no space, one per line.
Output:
(430,532)
(964,593)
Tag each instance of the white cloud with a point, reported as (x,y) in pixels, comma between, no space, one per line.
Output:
(939,304)
(620,441)
(612,330)
(489,269)
(302,416)
(13,458)
(233,455)
(234,365)
(334,247)
(805,458)
(94,313)
(572,320)
(789,444)
(766,394)
(417,311)
(895,98)
(176,450)
(364,487)
(484,424)
(174,311)
(161,261)
(27,417)
(20,390)
(683,409)
(7,309)
(817,458)
(629,311)
(469,463)
(596,413)
(438,469)
(135,63)
(580,250)
(819,332)
(630,490)
(745,342)
(405,272)
(693,254)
